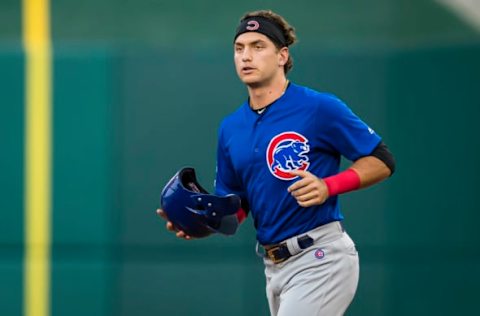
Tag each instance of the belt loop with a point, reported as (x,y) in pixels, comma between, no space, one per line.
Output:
(293,246)
(258,252)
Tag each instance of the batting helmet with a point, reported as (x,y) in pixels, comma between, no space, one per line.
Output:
(192,209)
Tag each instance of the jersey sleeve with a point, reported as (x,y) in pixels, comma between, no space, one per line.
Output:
(226,180)
(346,132)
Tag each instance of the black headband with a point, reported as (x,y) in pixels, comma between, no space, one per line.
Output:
(262,25)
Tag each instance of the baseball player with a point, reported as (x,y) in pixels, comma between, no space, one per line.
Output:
(280,152)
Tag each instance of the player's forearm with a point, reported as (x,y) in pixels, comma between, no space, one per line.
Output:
(370,170)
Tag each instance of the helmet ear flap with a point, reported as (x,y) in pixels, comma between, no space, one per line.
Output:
(192,209)
(228,225)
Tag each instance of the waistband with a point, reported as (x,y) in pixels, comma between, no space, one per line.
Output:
(296,244)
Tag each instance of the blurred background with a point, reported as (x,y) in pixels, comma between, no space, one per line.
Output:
(139,88)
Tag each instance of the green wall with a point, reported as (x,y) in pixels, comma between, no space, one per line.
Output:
(139,90)
(11,179)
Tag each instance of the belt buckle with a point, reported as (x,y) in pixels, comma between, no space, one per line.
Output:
(271,255)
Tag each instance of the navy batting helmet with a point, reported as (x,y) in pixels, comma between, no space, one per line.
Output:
(192,209)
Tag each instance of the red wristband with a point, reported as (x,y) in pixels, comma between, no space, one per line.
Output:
(345,181)
(241,215)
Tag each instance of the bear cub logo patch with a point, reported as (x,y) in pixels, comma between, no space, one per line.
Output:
(287,152)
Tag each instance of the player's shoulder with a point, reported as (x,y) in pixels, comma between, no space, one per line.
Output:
(320,99)
(233,119)
(233,116)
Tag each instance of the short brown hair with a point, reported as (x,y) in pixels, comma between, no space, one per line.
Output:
(287,29)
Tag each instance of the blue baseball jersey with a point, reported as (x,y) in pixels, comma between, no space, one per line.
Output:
(302,130)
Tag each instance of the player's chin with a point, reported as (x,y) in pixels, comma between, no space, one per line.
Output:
(249,79)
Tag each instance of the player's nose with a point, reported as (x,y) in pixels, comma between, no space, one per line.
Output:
(246,55)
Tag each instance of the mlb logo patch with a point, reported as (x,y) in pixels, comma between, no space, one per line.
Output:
(319,253)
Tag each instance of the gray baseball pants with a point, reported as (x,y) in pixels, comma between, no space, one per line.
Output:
(319,280)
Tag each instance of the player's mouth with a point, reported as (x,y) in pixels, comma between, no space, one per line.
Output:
(247,70)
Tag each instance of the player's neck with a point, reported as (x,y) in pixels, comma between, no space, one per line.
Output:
(263,95)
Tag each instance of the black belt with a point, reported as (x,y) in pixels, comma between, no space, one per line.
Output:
(279,252)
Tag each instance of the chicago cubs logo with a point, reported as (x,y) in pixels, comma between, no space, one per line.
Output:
(319,253)
(287,152)
(252,25)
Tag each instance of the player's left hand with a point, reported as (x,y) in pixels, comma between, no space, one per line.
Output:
(309,190)
(171,227)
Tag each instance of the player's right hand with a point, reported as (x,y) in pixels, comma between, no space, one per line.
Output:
(309,190)
(171,227)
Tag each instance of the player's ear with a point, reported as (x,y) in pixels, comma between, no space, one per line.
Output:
(283,55)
